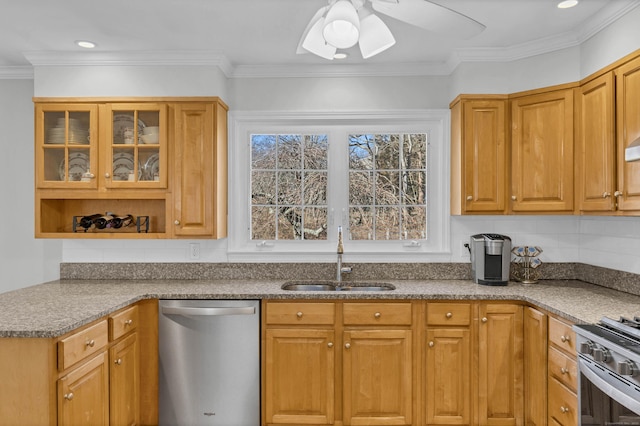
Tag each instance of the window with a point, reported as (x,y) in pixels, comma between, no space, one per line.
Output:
(296,179)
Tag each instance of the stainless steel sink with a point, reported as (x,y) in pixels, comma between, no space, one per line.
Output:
(336,286)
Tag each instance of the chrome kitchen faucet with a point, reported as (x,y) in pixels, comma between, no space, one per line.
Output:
(341,270)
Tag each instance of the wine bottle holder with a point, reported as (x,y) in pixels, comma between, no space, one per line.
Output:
(141,223)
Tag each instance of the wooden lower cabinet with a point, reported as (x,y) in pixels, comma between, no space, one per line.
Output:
(377,377)
(124,382)
(83,394)
(535,366)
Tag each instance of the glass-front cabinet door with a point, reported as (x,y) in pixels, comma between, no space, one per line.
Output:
(135,146)
(66,144)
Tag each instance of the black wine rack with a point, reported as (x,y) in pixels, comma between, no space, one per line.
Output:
(141,223)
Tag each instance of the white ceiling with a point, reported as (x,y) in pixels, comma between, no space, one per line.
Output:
(259,37)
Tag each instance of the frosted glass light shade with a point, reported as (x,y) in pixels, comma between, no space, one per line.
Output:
(375,36)
(341,25)
(314,41)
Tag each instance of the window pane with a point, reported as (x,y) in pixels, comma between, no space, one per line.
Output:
(387,152)
(289,188)
(388,203)
(315,152)
(263,223)
(263,151)
(290,223)
(360,188)
(315,188)
(263,188)
(315,223)
(289,152)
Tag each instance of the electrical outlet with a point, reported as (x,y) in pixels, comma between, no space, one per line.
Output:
(194,251)
(464,249)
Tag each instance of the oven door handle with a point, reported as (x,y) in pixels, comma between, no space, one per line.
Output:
(611,391)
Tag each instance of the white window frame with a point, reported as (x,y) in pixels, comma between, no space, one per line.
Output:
(436,123)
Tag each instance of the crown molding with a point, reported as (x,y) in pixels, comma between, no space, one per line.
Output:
(16,73)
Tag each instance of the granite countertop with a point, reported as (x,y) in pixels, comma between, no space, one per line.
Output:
(55,308)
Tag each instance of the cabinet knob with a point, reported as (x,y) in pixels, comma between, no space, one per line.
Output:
(564,409)
(68,396)
(606,194)
(299,314)
(118,361)
(107,175)
(431,344)
(563,370)
(377,315)
(90,343)
(330,344)
(565,339)
(448,315)
(347,345)
(514,198)
(176,222)
(484,319)
(469,198)
(617,194)
(128,322)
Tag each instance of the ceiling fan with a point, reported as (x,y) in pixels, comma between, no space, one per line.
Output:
(343,23)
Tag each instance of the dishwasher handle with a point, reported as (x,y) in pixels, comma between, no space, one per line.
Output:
(247,310)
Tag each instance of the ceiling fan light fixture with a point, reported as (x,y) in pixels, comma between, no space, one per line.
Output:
(341,25)
(86,44)
(566,4)
(375,36)
(314,41)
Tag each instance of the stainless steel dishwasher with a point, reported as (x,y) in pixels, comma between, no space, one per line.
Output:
(209,362)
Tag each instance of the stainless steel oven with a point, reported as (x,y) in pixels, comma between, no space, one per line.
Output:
(609,372)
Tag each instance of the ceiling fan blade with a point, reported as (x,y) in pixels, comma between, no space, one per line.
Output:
(430,16)
(313,20)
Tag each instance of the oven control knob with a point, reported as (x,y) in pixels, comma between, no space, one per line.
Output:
(601,355)
(627,368)
(586,347)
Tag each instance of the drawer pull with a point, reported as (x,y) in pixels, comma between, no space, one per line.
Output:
(448,315)
(128,322)
(90,343)
(330,344)
(484,319)
(564,371)
(565,339)
(118,361)
(299,314)
(377,315)
(564,409)
(431,344)
(469,198)
(68,396)
(347,345)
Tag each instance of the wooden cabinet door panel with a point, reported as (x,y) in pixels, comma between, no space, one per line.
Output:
(299,376)
(535,367)
(628,130)
(500,367)
(542,152)
(595,145)
(448,376)
(377,377)
(124,404)
(83,394)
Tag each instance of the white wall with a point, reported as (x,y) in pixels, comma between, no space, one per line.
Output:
(24,260)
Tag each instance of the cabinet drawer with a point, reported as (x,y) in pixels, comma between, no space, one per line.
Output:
(377,313)
(563,404)
(301,313)
(448,313)
(562,336)
(563,368)
(123,322)
(82,344)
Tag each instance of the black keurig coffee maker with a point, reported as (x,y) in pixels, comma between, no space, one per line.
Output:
(490,259)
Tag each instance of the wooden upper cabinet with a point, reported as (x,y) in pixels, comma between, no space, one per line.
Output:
(542,152)
(628,130)
(595,145)
(200,170)
(479,155)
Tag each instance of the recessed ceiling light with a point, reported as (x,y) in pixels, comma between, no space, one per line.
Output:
(86,44)
(567,4)
(340,55)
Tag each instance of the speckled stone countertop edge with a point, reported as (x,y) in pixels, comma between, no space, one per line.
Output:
(53,309)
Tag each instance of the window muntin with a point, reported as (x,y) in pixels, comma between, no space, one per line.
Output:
(289,186)
(387,186)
